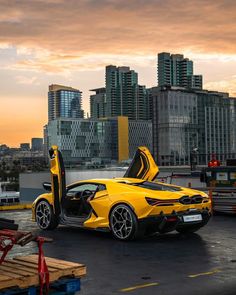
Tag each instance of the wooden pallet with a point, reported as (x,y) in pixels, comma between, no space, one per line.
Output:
(22,271)
(62,287)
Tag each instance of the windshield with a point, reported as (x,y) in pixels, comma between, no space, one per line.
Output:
(156,186)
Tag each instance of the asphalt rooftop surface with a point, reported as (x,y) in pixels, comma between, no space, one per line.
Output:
(169,264)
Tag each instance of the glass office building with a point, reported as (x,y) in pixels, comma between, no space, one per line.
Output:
(64,102)
(186,120)
(37,144)
(107,140)
(98,103)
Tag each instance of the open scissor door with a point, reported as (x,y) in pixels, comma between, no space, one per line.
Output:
(142,166)
(58,179)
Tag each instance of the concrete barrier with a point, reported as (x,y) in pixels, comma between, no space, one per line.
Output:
(16,207)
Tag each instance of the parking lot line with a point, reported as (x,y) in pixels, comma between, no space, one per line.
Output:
(208,273)
(138,287)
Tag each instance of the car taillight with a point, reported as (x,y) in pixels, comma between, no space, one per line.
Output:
(206,199)
(151,201)
(171,219)
(158,202)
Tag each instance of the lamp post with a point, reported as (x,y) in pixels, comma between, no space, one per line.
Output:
(193,158)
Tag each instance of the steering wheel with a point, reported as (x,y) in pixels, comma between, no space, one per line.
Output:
(86,193)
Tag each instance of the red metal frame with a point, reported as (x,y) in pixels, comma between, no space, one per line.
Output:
(9,238)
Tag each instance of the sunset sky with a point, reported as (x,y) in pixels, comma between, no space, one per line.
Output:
(71,41)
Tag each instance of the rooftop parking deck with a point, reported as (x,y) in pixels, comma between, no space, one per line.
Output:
(170,264)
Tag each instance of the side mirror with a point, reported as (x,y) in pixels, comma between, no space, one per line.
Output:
(47,186)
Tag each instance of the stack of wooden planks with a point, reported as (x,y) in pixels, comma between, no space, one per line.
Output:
(22,271)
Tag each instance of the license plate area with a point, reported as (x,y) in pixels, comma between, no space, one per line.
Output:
(192,218)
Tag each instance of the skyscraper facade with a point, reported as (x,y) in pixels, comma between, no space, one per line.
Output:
(37,144)
(107,139)
(176,70)
(98,103)
(184,120)
(64,102)
(124,97)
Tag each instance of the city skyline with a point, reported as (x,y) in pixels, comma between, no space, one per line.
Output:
(74,46)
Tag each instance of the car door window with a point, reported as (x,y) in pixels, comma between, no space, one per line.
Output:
(82,187)
(101,187)
(101,191)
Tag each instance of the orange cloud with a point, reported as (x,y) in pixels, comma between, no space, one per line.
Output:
(223,85)
(51,63)
(91,26)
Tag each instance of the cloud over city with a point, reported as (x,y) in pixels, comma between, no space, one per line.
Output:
(46,41)
(127,27)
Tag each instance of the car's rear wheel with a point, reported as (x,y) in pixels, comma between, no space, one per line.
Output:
(188,229)
(123,223)
(45,216)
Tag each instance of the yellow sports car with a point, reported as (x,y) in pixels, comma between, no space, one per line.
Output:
(129,207)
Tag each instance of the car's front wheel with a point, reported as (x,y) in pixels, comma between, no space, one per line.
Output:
(123,223)
(45,216)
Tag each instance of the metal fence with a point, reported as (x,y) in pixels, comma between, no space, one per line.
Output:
(203,159)
(223,199)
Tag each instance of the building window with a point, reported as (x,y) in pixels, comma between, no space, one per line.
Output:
(80,142)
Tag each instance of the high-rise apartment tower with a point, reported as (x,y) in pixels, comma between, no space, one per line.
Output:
(176,70)
(124,97)
(98,103)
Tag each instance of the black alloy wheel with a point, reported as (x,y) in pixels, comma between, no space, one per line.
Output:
(123,223)
(45,216)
